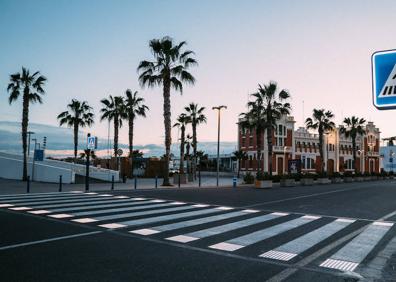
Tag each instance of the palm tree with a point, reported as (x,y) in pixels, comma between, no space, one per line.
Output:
(197,117)
(134,107)
(353,126)
(31,87)
(78,115)
(267,108)
(169,69)
(321,121)
(239,156)
(182,121)
(114,110)
(188,143)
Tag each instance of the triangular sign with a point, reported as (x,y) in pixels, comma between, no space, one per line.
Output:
(389,88)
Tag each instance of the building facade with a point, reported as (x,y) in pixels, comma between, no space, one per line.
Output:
(300,144)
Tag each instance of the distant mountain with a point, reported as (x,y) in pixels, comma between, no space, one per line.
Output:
(60,141)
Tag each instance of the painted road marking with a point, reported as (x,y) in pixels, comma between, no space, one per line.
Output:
(20,209)
(167,217)
(112,225)
(182,238)
(103,201)
(353,253)
(46,198)
(39,212)
(5,205)
(295,247)
(228,227)
(134,214)
(188,223)
(118,203)
(85,220)
(60,215)
(72,200)
(122,209)
(263,234)
(38,195)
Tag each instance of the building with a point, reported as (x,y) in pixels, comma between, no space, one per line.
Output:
(290,144)
(387,153)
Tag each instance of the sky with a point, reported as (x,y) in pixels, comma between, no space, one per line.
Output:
(320,51)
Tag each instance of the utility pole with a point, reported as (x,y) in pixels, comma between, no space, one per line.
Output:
(29,134)
(218,108)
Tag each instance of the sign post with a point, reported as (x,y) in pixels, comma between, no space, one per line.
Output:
(92,144)
(383,68)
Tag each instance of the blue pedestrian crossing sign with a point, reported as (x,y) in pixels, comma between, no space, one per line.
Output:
(92,143)
(383,67)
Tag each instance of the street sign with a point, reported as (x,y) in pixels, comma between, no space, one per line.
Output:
(383,68)
(92,143)
(39,155)
(119,152)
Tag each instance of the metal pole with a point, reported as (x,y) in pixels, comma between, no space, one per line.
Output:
(178,179)
(112,182)
(199,174)
(28,185)
(156,181)
(218,148)
(60,183)
(34,158)
(135,182)
(87,152)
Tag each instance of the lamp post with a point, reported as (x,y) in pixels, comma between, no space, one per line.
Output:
(284,153)
(218,108)
(34,157)
(29,134)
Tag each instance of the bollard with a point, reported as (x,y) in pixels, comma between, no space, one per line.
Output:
(28,185)
(234,182)
(112,182)
(156,181)
(135,182)
(178,180)
(60,183)
(199,178)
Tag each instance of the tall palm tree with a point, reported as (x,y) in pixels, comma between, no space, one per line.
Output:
(197,117)
(31,88)
(353,126)
(322,122)
(78,115)
(169,69)
(239,155)
(182,121)
(114,110)
(134,107)
(269,105)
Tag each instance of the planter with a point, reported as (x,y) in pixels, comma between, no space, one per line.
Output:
(287,182)
(337,180)
(263,184)
(183,179)
(307,181)
(359,179)
(323,181)
(367,178)
(348,179)
(373,177)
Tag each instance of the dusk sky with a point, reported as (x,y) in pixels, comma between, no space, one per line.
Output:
(320,51)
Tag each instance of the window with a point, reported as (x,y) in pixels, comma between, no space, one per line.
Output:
(250,141)
(307,163)
(243,142)
(348,164)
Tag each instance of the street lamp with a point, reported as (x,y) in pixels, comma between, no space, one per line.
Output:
(29,134)
(218,108)
(284,152)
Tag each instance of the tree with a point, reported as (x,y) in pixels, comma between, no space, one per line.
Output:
(31,88)
(188,143)
(239,156)
(353,126)
(169,69)
(83,155)
(78,115)
(182,121)
(137,154)
(268,107)
(114,110)
(322,122)
(197,117)
(134,107)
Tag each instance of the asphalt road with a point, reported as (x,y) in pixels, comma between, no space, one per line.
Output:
(351,224)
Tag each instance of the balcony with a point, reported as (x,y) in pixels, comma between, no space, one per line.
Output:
(282,149)
(372,154)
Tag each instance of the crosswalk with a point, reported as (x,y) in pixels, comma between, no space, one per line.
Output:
(272,236)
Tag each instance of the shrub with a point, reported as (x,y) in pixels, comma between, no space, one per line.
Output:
(248,178)
(263,176)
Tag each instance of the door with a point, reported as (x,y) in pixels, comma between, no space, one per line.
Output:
(280,166)
(330,166)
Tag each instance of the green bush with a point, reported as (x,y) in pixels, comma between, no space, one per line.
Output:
(263,176)
(248,178)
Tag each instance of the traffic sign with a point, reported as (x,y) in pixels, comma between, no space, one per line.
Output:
(383,68)
(39,155)
(119,152)
(92,143)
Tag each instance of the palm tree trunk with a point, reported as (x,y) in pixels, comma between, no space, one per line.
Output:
(116,139)
(25,122)
(131,144)
(181,165)
(354,153)
(75,137)
(194,129)
(269,141)
(168,125)
(258,146)
(321,151)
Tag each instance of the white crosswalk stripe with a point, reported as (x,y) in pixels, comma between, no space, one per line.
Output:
(353,253)
(260,235)
(86,204)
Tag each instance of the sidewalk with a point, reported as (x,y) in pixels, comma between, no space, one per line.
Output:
(8,186)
